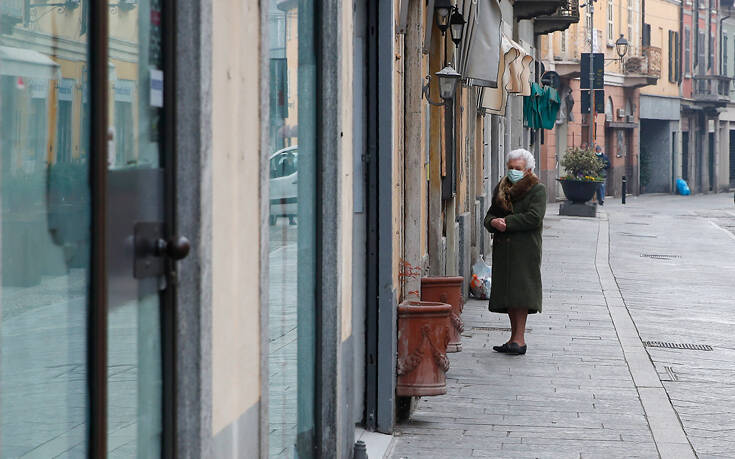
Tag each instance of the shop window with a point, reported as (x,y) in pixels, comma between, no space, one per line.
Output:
(291,165)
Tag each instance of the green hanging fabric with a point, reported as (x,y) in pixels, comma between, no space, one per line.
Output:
(531,112)
(548,107)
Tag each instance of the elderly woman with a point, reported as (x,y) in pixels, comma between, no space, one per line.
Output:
(515,218)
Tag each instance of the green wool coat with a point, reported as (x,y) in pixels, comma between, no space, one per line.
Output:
(516,260)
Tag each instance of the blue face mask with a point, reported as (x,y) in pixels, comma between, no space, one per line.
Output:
(515,175)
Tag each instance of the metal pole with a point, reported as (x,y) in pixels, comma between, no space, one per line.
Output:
(625,188)
(591,143)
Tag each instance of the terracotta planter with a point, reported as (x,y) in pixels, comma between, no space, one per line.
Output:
(423,334)
(447,290)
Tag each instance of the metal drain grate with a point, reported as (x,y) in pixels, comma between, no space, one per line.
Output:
(687,346)
(659,256)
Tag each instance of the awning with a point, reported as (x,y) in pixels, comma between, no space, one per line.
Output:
(513,71)
(481,42)
(520,72)
(27,63)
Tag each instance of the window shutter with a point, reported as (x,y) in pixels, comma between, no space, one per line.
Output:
(678,56)
(724,55)
(671,56)
(687,58)
(646,38)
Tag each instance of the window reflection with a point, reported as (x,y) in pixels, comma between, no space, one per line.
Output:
(291,231)
(44,230)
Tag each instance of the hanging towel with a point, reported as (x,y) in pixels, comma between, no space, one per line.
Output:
(549,107)
(531,107)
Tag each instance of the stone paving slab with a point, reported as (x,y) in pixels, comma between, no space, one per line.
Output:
(572,395)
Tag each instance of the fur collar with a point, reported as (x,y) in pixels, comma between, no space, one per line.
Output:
(509,192)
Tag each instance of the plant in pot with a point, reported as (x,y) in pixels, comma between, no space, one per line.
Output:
(582,177)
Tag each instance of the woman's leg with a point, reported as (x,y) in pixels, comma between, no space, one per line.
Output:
(513,324)
(518,316)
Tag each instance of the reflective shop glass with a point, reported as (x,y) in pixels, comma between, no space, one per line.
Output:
(135,179)
(44,229)
(291,171)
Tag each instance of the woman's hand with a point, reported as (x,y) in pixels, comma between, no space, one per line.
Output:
(498,224)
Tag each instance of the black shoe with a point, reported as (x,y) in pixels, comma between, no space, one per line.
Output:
(504,349)
(516,349)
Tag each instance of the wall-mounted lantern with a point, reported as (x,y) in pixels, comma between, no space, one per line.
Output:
(621,46)
(456,26)
(442,11)
(448,78)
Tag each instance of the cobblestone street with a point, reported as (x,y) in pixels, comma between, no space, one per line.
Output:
(596,381)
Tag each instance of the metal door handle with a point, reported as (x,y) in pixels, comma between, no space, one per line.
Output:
(175,248)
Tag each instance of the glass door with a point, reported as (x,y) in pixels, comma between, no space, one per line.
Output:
(84,274)
(138,252)
(44,230)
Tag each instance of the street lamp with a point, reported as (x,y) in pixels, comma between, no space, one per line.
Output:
(448,78)
(621,46)
(442,10)
(456,26)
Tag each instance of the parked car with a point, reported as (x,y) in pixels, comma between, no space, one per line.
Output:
(284,184)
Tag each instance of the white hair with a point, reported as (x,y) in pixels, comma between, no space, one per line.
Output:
(524,155)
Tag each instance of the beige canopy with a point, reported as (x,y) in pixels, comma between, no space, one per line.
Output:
(514,71)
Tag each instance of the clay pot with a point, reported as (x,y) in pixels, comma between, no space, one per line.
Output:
(423,334)
(447,290)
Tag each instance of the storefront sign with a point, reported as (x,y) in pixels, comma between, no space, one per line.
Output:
(156,88)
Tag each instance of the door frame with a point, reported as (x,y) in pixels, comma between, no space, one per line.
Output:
(97,322)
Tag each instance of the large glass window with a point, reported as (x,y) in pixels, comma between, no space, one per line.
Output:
(44,231)
(291,160)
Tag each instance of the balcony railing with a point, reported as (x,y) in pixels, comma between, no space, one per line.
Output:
(714,89)
(648,63)
(530,9)
(564,16)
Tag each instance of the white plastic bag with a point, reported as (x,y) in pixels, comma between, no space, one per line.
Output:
(480,284)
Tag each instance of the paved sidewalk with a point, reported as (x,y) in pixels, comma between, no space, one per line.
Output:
(571,396)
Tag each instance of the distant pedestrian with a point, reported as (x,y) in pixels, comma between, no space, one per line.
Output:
(606,165)
(516,218)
